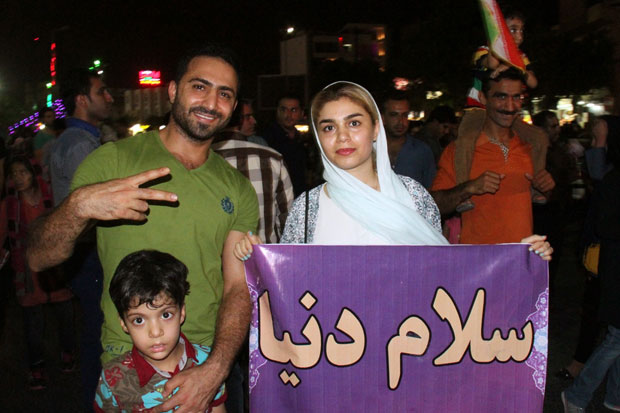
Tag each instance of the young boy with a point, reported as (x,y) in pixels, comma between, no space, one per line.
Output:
(485,61)
(148,290)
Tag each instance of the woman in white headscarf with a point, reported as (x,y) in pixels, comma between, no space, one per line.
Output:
(363,201)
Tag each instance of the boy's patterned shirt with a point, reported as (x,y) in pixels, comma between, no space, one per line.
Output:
(129,383)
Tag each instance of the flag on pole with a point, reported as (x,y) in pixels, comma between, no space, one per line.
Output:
(500,40)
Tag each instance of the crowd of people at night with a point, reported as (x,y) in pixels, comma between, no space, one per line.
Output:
(146,235)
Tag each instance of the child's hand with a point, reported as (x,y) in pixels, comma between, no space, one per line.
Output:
(502,67)
(243,249)
(539,245)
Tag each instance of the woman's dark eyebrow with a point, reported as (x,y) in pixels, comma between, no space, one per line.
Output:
(353,115)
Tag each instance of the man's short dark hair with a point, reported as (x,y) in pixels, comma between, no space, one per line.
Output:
(77,82)
(236,119)
(46,109)
(209,50)
(511,73)
(541,118)
(291,96)
(442,114)
(143,275)
(393,94)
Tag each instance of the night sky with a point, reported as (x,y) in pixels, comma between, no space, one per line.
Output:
(129,36)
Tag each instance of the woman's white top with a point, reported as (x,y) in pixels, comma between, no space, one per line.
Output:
(335,227)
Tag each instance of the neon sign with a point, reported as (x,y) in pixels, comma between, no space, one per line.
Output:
(149,77)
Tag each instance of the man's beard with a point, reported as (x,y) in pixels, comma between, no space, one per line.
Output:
(194,130)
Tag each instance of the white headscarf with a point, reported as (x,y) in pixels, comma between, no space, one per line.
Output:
(390,213)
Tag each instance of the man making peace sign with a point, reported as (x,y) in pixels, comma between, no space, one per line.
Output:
(167,191)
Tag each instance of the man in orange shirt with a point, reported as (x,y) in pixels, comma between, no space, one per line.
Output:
(495,167)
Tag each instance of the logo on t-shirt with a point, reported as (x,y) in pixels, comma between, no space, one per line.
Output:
(227,205)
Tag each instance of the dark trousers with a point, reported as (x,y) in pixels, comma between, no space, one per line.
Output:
(590,325)
(87,285)
(34,323)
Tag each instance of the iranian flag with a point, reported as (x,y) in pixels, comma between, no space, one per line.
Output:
(500,40)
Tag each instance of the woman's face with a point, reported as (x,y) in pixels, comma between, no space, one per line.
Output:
(21,177)
(346,133)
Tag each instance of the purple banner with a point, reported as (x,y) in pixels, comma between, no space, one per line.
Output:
(397,329)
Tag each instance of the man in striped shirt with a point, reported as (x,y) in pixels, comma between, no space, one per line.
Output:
(265,169)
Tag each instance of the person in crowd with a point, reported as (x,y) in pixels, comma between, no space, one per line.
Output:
(248,123)
(265,169)
(494,166)
(596,156)
(212,202)
(604,129)
(284,138)
(148,290)
(408,156)
(28,197)
(46,134)
(550,218)
(438,125)
(350,209)
(263,166)
(487,64)
(20,142)
(605,360)
(89,102)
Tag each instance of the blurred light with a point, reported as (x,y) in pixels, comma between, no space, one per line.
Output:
(581,103)
(433,94)
(48,85)
(97,63)
(565,104)
(41,126)
(137,128)
(49,100)
(302,128)
(596,109)
(100,72)
(162,127)
(149,77)
(290,29)
(36,39)
(401,83)
(53,46)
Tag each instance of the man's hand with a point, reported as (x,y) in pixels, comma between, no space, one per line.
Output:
(542,181)
(120,198)
(487,183)
(197,388)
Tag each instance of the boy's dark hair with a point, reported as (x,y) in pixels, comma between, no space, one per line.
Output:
(77,82)
(291,96)
(209,50)
(511,13)
(511,73)
(144,275)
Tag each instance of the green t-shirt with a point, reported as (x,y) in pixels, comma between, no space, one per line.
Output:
(213,200)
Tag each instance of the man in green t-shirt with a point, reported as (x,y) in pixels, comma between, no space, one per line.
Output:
(189,202)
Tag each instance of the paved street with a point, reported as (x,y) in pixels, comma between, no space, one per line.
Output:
(62,394)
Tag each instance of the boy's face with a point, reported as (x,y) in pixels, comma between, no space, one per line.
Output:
(155,331)
(516,26)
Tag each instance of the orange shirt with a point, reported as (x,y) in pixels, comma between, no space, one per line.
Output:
(505,216)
